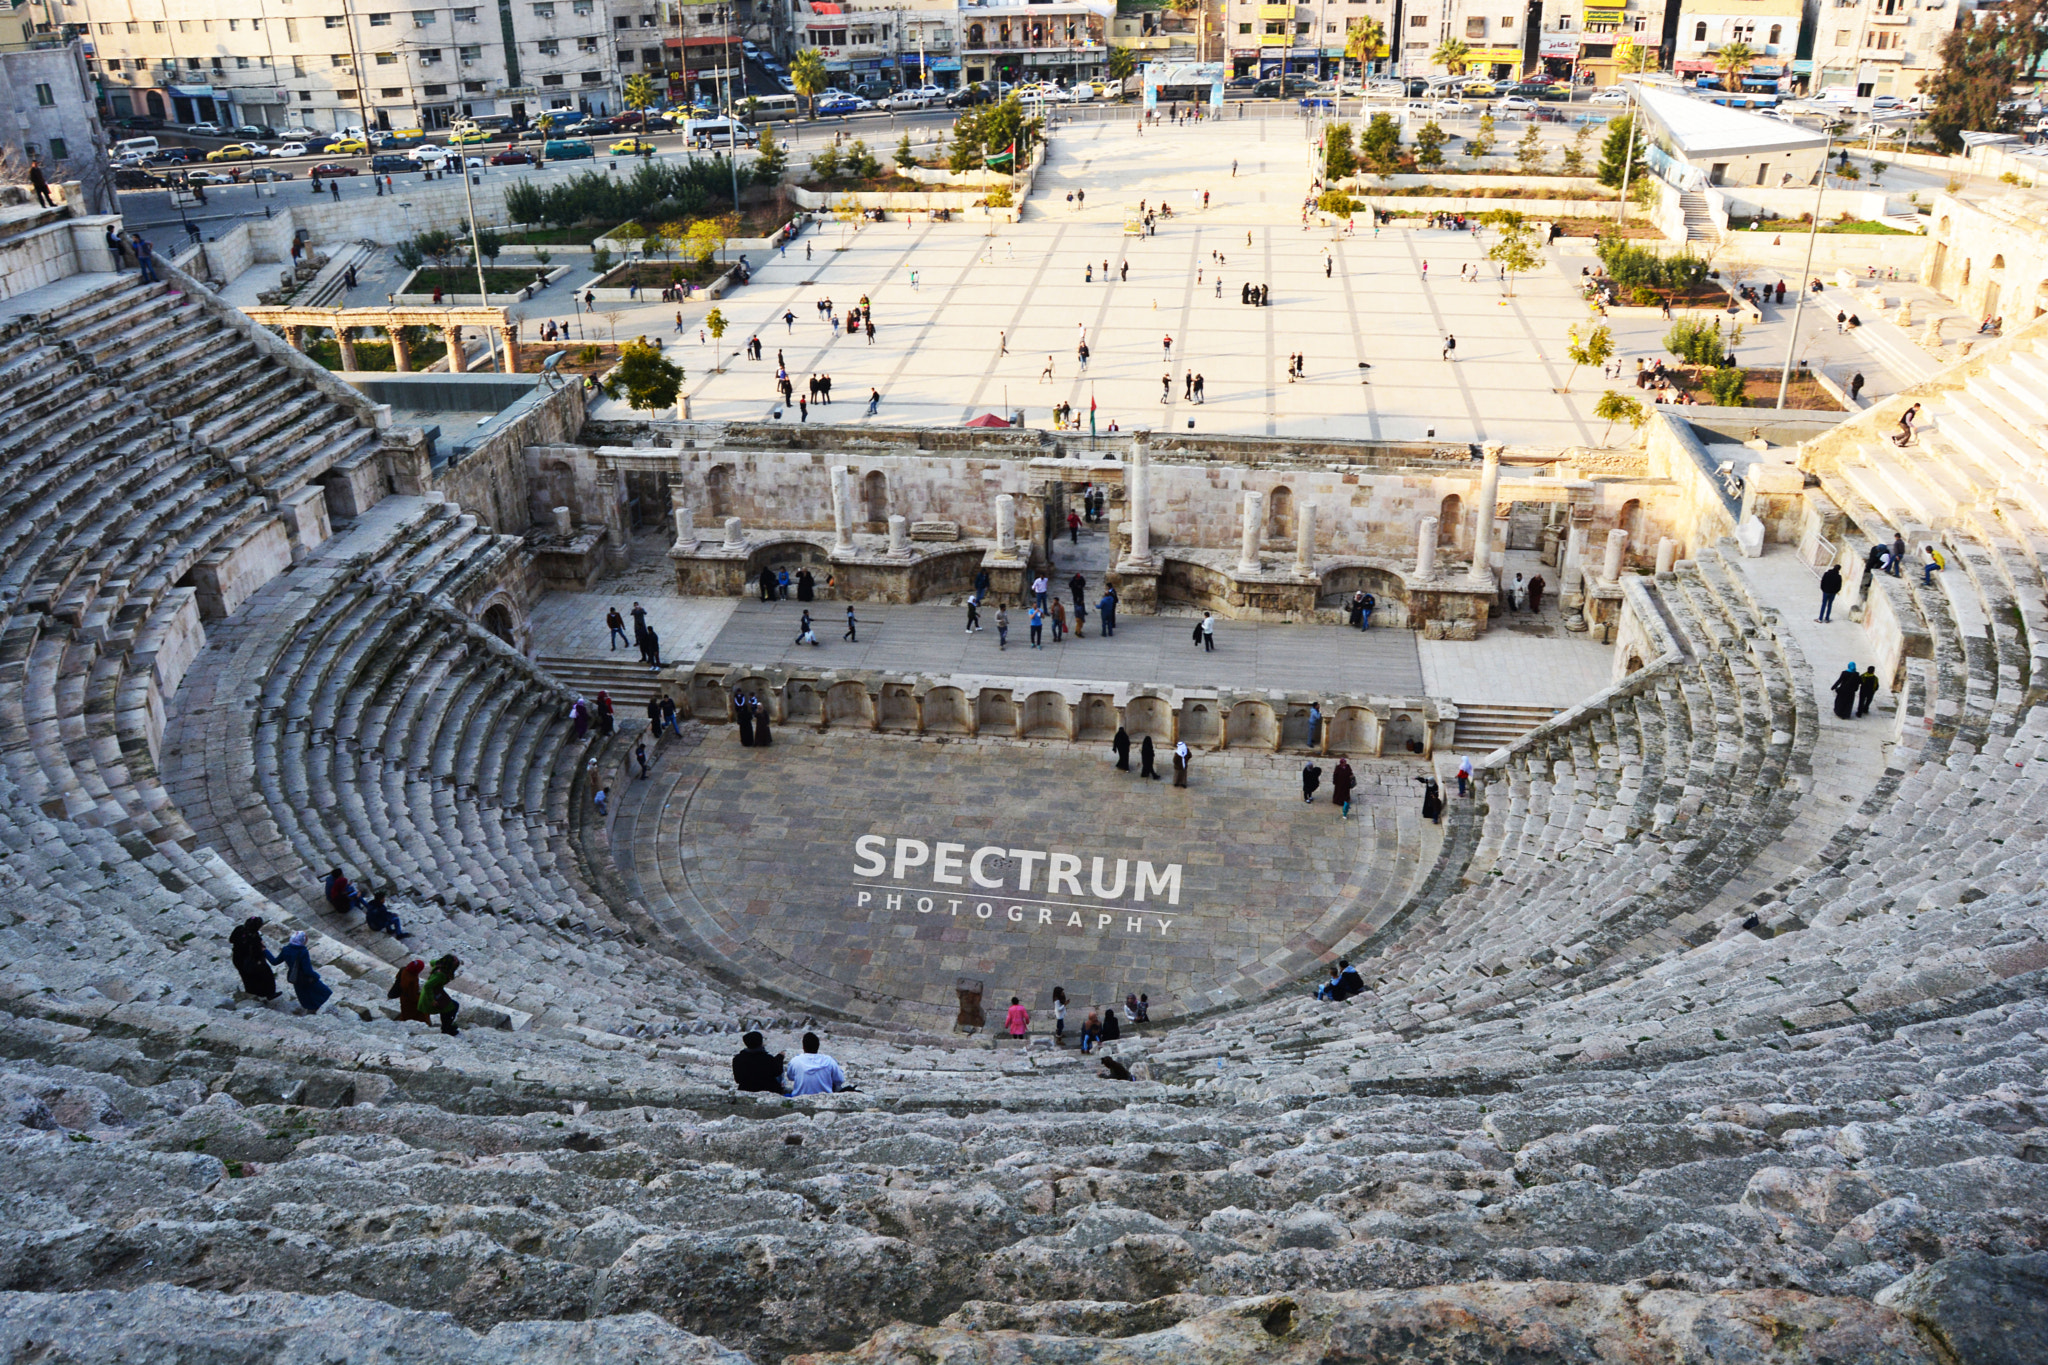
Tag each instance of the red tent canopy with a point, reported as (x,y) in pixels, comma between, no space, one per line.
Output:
(988,419)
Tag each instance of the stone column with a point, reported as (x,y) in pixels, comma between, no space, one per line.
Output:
(1138,498)
(1425,549)
(1667,554)
(346,336)
(686,523)
(401,352)
(1305,538)
(1617,544)
(734,536)
(1573,578)
(608,501)
(1006,526)
(296,336)
(510,336)
(456,363)
(1489,495)
(899,535)
(565,523)
(842,526)
(1252,533)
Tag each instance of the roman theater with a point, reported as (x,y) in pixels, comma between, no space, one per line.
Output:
(1693,1018)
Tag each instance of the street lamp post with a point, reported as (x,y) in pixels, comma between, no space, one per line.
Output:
(1820,185)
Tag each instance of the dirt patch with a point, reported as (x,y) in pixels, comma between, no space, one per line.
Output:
(660,274)
(1760,389)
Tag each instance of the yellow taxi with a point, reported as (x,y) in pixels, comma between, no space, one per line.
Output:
(631,146)
(234,151)
(467,137)
(348,146)
(409,136)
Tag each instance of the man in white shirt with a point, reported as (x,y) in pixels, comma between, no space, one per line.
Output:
(814,1073)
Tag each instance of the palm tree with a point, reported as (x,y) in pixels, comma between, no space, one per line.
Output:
(1121,65)
(639,94)
(807,76)
(1452,55)
(1365,41)
(1634,60)
(1732,60)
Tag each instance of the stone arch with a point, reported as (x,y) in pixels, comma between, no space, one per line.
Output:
(1450,521)
(800,701)
(1199,724)
(976,36)
(995,712)
(1777,35)
(1354,730)
(765,690)
(1251,725)
(849,704)
(707,698)
(1148,716)
(497,619)
(1097,718)
(1699,31)
(789,554)
(1632,662)
(1404,733)
(1047,715)
(1294,726)
(556,487)
(1635,523)
(946,712)
(874,495)
(899,709)
(718,491)
(1389,591)
(1280,514)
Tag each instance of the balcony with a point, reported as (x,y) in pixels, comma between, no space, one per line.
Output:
(1275,40)
(1276,11)
(1899,20)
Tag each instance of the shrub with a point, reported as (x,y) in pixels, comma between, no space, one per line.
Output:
(1339,160)
(1336,201)
(1726,384)
(1000,197)
(645,377)
(1696,341)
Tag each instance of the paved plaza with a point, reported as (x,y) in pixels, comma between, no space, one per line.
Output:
(1204,894)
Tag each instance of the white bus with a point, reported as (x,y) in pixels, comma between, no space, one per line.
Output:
(767,108)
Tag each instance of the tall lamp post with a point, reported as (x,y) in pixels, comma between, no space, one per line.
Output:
(1820,185)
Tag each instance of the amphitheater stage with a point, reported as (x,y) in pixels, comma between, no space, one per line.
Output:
(868,875)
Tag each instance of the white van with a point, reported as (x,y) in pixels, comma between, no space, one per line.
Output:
(720,132)
(136,148)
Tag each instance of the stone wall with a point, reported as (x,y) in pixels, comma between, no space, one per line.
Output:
(493,478)
(57,250)
(226,578)
(1064,711)
(1700,511)
(1989,255)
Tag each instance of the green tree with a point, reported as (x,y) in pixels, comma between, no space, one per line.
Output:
(773,161)
(1595,348)
(1574,156)
(714,323)
(1452,55)
(807,76)
(825,164)
(1614,151)
(1339,160)
(1619,407)
(904,156)
(1514,253)
(1981,60)
(655,242)
(639,97)
(1121,64)
(1381,144)
(1726,384)
(645,376)
(860,161)
(1700,343)
(1529,153)
(1632,59)
(1481,142)
(1429,144)
(1365,41)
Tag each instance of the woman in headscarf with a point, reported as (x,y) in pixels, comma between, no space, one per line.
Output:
(252,958)
(1432,800)
(1845,687)
(579,718)
(406,991)
(1342,780)
(1131,1006)
(1145,760)
(434,997)
(604,713)
(1122,745)
(762,739)
(298,969)
(743,713)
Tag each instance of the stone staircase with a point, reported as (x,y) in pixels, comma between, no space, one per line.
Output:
(1484,727)
(629,681)
(1699,219)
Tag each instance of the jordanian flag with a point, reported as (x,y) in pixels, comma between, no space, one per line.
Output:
(1008,154)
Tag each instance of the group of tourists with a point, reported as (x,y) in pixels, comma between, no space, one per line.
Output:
(1044,610)
(645,638)
(1101,1025)
(776,584)
(1183,757)
(810,1072)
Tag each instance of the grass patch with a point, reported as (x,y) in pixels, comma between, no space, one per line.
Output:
(1863,227)
(659,274)
(376,355)
(461,279)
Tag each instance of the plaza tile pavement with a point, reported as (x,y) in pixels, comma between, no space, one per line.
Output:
(749,854)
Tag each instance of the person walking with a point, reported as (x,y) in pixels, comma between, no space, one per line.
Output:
(1464,776)
(1905,432)
(1059,620)
(1107,606)
(1856,387)
(253,959)
(1866,690)
(1450,345)
(1059,1016)
(650,649)
(1121,746)
(852,625)
(1432,801)
(1017,1022)
(40,183)
(1002,628)
(1037,628)
(973,616)
(1845,687)
(1830,584)
(1536,586)
(1039,587)
(297,961)
(1181,759)
(1896,564)
(618,627)
(1342,783)
(1145,760)
(806,633)
(1077,585)
(1208,632)
(405,989)
(434,997)
(1073,527)
(1311,778)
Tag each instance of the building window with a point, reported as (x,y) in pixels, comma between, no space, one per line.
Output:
(392,92)
(1841,37)
(191,63)
(338,59)
(1418,21)
(386,58)
(45,96)
(241,63)
(550,80)
(305,97)
(472,87)
(1330,28)
(134,27)
(58,149)
(1777,34)
(649,20)
(550,48)
(1639,24)
(1475,28)
(622,21)
(1699,32)
(592,77)
(1244,28)
(156,26)
(543,11)
(434,89)
(430,56)
(465,16)
(650,56)
(586,44)
(422,18)
(332,21)
(584,10)
(1507,21)
(234,25)
(217,64)
(184,26)
(469,54)
(345,96)
(291,30)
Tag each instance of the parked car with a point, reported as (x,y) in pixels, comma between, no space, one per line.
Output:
(289,149)
(907,99)
(348,146)
(257,175)
(235,151)
(1514,104)
(1450,109)
(967,96)
(874,90)
(1555,90)
(329,169)
(393,163)
(208,177)
(409,137)
(177,156)
(205,130)
(131,178)
(259,131)
(568,149)
(512,158)
(1241,83)
(1882,102)
(1614,94)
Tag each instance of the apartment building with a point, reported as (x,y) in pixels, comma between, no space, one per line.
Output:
(325,65)
(1880,47)
(43,85)
(1304,37)
(1160,35)
(1581,40)
(889,42)
(1769,29)
(1020,40)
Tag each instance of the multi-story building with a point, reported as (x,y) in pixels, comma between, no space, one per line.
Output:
(888,42)
(1021,40)
(43,82)
(1160,35)
(1581,40)
(1300,36)
(1880,47)
(332,64)
(1769,29)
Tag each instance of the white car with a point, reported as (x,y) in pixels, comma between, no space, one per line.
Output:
(750,48)
(1450,109)
(1514,104)
(289,149)
(1610,96)
(1883,102)
(204,129)
(907,99)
